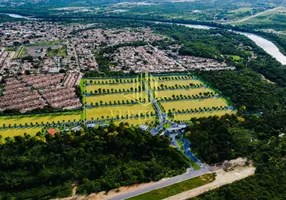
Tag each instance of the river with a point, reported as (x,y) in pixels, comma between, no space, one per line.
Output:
(263,43)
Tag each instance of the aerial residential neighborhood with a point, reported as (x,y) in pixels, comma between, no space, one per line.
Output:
(142,100)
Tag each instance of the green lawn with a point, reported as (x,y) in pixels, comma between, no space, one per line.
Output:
(10,48)
(167,125)
(47,43)
(195,166)
(176,188)
(21,52)
(61,52)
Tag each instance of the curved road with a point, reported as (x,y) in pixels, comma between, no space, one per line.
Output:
(163,183)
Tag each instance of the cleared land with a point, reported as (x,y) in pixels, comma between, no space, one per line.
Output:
(184,117)
(43,118)
(174,82)
(126,86)
(191,91)
(136,121)
(192,104)
(261,17)
(176,188)
(105,112)
(19,131)
(109,80)
(116,97)
(172,77)
(58,52)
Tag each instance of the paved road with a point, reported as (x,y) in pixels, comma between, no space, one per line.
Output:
(163,183)
(253,16)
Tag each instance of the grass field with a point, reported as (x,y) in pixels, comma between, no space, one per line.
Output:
(191,91)
(109,80)
(174,82)
(172,77)
(116,97)
(176,188)
(192,104)
(136,121)
(21,52)
(185,117)
(122,110)
(19,131)
(45,43)
(118,86)
(61,52)
(45,118)
(195,165)
(241,10)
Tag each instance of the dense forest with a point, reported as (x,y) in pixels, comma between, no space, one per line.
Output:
(261,139)
(257,132)
(249,91)
(94,160)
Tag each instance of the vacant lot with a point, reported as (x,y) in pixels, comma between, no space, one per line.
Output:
(43,118)
(110,81)
(191,91)
(169,77)
(19,131)
(110,87)
(58,52)
(137,121)
(185,117)
(105,112)
(174,83)
(116,97)
(192,104)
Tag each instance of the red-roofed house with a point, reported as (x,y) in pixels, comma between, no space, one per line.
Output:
(52,131)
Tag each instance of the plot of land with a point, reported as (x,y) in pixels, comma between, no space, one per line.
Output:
(58,52)
(191,91)
(116,97)
(135,122)
(185,117)
(110,112)
(122,86)
(44,118)
(174,83)
(194,104)
(19,131)
(169,77)
(109,80)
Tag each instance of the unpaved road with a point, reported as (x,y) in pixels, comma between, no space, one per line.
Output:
(222,178)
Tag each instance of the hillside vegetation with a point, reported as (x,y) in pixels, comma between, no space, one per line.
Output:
(94,159)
